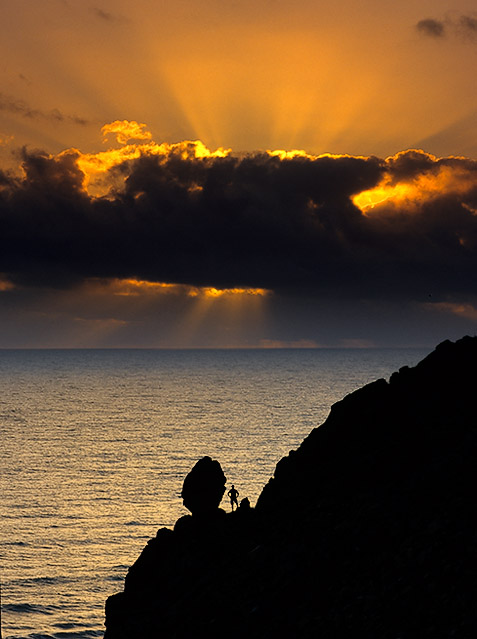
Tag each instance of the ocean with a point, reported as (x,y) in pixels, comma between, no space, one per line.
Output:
(96,445)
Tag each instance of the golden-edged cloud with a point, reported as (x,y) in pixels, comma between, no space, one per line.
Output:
(98,167)
(430,179)
(125,130)
(134,287)
(181,219)
(190,246)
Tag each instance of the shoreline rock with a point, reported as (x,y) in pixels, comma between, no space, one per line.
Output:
(366,530)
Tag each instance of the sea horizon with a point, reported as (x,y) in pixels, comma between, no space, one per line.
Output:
(215,348)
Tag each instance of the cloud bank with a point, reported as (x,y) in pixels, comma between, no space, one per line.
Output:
(402,228)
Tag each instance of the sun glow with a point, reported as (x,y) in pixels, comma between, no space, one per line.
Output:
(410,191)
(231,315)
(134,287)
(258,88)
(290,155)
(220,292)
(372,198)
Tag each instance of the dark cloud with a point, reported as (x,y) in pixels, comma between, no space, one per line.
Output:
(9,104)
(24,79)
(431,27)
(463,27)
(410,164)
(256,221)
(468,27)
(106,16)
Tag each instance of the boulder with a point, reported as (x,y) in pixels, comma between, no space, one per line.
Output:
(204,487)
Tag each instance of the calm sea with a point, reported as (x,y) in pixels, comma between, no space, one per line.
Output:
(96,444)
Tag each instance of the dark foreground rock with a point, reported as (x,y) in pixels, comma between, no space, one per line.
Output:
(367,530)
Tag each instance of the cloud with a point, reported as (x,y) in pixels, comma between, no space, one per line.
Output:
(332,227)
(9,104)
(463,27)
(108,17)
(468,311)
(431,27)
(125,130)
(5,284)
(468,27)
(6,139)
(104,15)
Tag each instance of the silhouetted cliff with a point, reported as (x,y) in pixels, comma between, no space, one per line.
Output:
(367,530)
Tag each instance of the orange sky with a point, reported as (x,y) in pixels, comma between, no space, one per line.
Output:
(345,77)
(102,97)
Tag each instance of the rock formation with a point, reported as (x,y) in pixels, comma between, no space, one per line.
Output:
(366,530)
(204,487)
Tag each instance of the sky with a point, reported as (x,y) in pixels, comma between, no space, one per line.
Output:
(249,174)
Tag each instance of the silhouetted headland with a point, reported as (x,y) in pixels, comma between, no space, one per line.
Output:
(366,530)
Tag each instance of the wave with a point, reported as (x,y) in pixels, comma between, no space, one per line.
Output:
(50,580)
(75,630)
(31,582)
(28,608)
(81,634)
(67,625)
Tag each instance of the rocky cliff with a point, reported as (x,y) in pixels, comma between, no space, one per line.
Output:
(367,530)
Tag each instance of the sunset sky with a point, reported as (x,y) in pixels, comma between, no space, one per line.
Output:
(244,174)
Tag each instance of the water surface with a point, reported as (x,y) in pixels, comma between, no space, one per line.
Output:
(96,444)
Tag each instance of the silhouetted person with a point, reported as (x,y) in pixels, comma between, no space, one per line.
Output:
(233,494)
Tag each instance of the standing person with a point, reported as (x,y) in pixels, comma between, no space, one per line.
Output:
(233,494)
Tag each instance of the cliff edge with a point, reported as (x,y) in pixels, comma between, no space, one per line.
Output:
(366,530)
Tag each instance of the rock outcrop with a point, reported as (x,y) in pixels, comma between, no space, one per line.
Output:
(204,487)
(366,530)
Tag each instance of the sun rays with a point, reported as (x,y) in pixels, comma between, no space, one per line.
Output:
(209,316)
